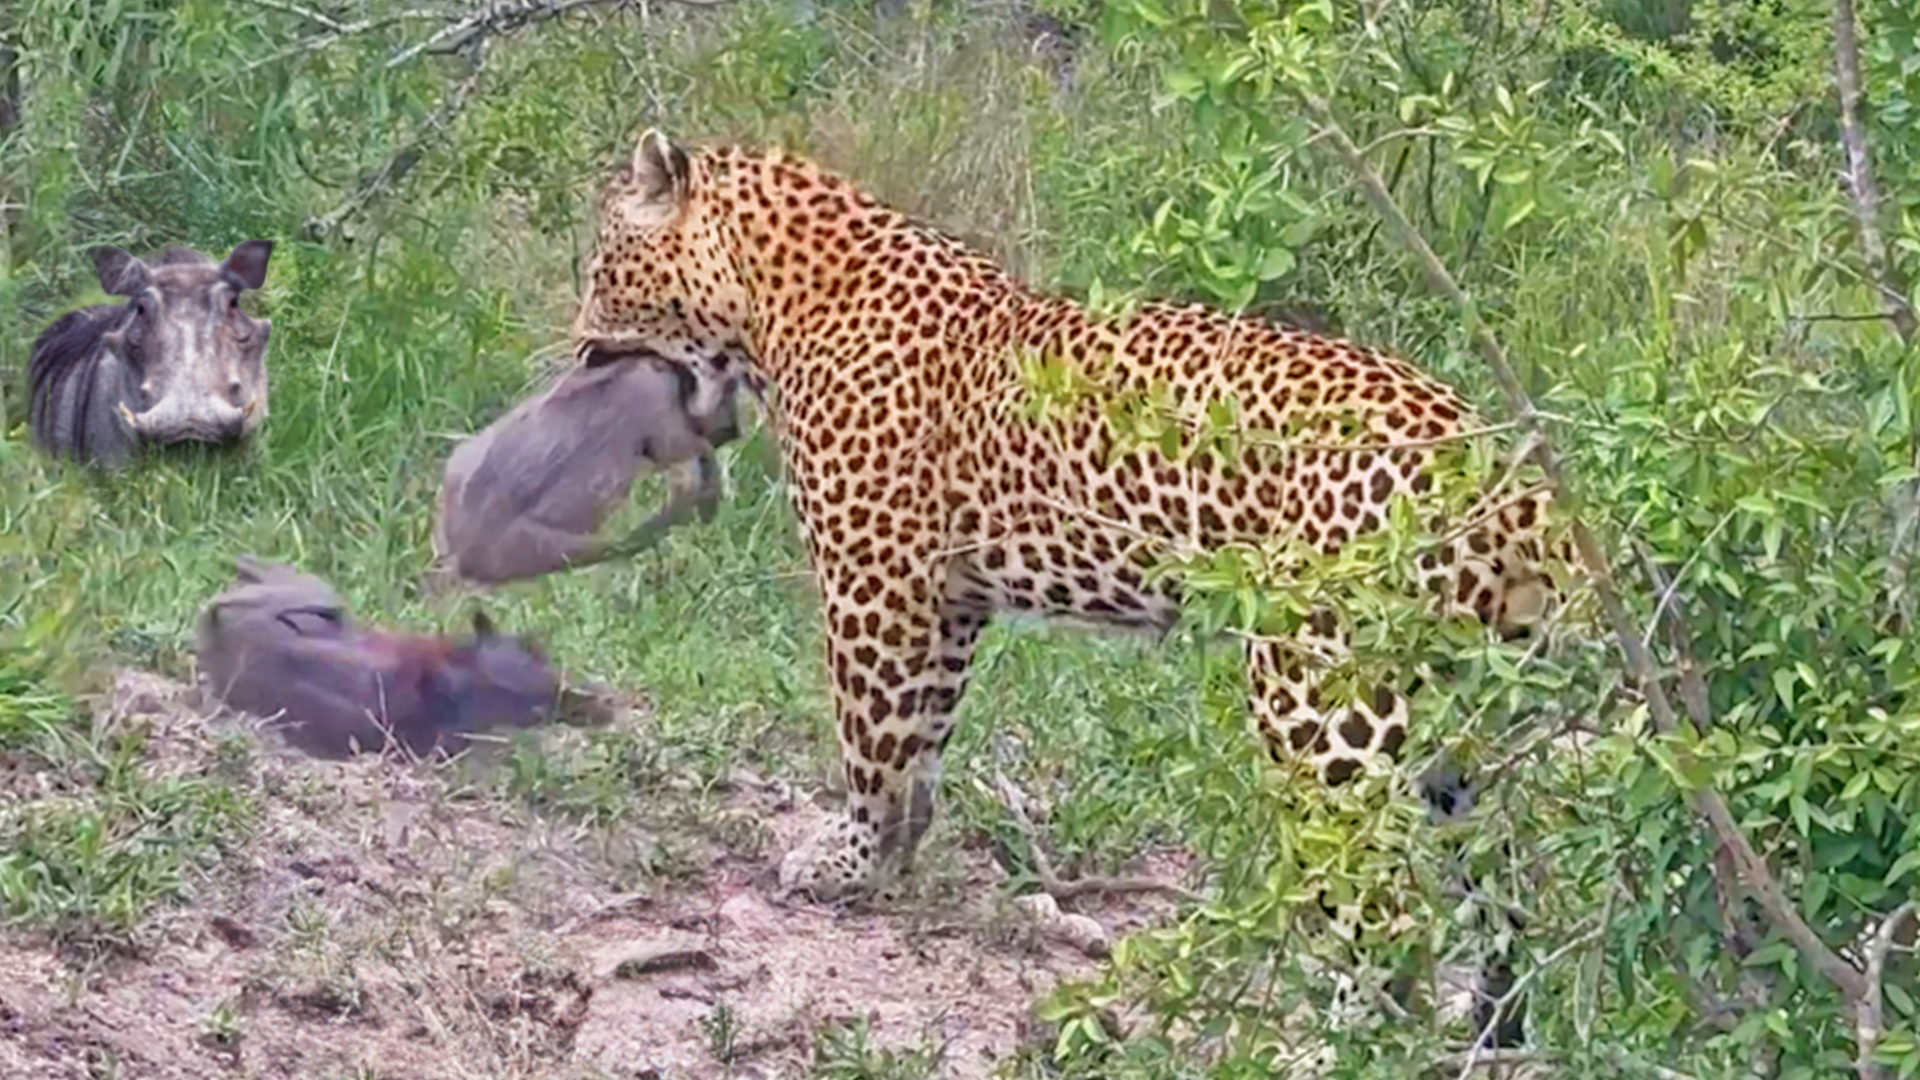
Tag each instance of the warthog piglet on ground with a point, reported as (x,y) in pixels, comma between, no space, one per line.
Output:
(279,644)
(526,495)
(178,362)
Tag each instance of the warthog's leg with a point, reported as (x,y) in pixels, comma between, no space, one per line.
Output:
(693,487)
(530,548)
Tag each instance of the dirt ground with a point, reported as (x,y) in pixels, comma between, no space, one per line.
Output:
(382,922)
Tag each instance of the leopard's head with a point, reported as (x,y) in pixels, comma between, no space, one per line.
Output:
(664,275)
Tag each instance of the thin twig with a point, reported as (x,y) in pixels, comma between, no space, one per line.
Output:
(1834,316)
(316,17)
(1866,192)
(504,15)
(1134,532)
(395,168)
(1487,513)
(1693,687)
(308,45)
(1766,889)
(1670,588)
(1281,442)
(1506,1000)
(1064,891)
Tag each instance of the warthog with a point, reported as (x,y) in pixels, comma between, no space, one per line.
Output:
(178,362)
(279,644)
(526,495)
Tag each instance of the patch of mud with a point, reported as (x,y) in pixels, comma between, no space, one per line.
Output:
(385,920)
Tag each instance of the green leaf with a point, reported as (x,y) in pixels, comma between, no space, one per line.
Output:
(1902,1001)
(1856,784)
(1814,896)
(1773,952)
(1517,215)
(1184,85)
(1901,867)
(1513,175)
(1278,262)
(1662,754)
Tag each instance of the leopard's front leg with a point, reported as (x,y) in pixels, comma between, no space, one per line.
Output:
(899,665)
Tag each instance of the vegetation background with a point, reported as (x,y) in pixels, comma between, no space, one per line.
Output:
(1650,203)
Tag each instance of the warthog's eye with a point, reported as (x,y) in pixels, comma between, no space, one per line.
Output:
(233,302)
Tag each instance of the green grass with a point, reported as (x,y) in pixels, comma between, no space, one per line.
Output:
(96,831)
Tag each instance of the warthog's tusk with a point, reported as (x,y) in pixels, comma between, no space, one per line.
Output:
(127,415)
(252,403)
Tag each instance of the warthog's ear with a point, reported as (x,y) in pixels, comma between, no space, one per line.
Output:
(120,273)
(659,167)
(482,626)
(246,265)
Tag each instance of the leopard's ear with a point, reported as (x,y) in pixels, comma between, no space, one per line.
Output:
(660,168)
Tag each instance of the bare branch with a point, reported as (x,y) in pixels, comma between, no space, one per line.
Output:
(504,15)
(460,29)
(1869,1019)
(317,18)
(1893,296)
(338,32)
(384,179)
(1668,589)
(1480,1048)
(1837,316)
(1708,802)
(1866,192)
(490,18)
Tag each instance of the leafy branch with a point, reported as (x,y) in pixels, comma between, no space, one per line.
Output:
(1765,888)
(1885,280)
(464,32)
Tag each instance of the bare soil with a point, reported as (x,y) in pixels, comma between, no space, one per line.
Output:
(387,919)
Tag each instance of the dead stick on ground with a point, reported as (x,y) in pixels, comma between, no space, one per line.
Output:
(1063,891)
(1708,802)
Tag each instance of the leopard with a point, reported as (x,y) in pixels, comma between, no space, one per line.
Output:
(930,501)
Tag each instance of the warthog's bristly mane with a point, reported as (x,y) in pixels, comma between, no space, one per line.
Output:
(69,349)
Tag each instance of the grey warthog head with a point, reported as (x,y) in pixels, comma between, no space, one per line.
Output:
(195,367)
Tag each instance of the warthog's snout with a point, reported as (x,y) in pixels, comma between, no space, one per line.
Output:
(209,419)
